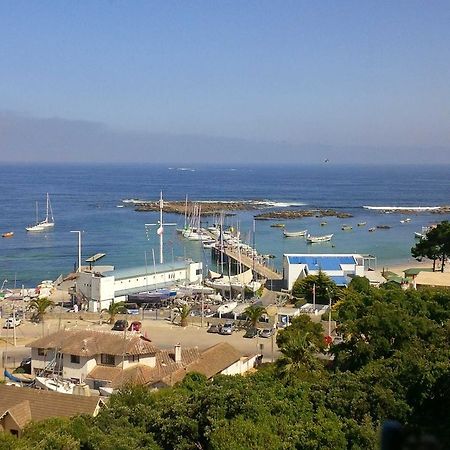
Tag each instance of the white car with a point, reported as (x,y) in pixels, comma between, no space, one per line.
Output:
(12,322)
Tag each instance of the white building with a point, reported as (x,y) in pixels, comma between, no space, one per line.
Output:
(101,288)
(339,267)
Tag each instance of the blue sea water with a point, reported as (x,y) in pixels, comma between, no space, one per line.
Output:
(84,197)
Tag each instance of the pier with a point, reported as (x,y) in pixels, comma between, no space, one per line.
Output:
(249,262)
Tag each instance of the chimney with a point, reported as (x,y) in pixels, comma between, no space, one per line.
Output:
(177,353)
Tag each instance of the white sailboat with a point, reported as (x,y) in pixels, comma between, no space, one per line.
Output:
(55,384)
(45,224)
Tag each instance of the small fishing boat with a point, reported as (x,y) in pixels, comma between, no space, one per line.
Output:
(294,233)
(278,225)
(372,229)
(384,227)
(322,224)
(8,234)
(362,224)
(318,239)
(346,228)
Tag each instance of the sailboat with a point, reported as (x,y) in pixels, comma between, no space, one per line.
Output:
(45,224)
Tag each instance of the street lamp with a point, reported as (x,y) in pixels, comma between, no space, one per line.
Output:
(79,248)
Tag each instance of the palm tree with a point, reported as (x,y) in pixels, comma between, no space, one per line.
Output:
(299,359)
(184,311)
(254,313)
(40,306)
(113,310)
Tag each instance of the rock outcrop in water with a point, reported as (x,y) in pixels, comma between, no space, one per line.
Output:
(301,213)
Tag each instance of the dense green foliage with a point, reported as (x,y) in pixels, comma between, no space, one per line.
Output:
(394,363)
(322,284)
(435,245)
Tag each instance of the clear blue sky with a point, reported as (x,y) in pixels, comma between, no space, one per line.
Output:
(335,73)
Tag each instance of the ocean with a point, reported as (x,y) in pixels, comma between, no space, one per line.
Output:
(85,197)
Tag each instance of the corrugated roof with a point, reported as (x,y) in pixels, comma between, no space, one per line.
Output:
(131,272)
(90,343)
(44,404)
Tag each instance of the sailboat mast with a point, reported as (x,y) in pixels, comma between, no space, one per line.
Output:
(37,213)
(161,229)
(185,212)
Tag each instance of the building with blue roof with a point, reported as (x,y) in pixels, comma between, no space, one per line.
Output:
(339,267)
(99,289)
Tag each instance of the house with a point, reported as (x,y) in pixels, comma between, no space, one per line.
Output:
(339,267)
(111,359)
(19,406)
(75,354)
(100,288)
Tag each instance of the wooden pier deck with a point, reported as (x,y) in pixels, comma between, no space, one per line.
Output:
(260,269)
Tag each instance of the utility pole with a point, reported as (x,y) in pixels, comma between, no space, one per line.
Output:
(14,325)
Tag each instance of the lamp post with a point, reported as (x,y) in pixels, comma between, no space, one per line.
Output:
(79,248)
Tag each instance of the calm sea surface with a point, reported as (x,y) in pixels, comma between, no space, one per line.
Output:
(85,197)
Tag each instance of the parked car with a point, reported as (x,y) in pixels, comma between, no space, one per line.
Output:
(12,322)
(282,324)
(120,325)
(131,308)
(227,328)
(135,326)
(266,333)
(213,329)
(251,333)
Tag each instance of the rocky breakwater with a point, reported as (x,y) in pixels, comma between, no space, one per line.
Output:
(208,208)
(301,213)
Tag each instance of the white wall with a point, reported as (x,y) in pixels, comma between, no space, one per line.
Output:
(241,366)
(79,371)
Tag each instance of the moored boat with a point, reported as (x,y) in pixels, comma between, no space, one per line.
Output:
(346,228)
(362,224)
(372,229)
(294,233)
(8,234)
(55,384)
(45,224)
(317,239)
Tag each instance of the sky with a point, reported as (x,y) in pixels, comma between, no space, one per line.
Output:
(214,81)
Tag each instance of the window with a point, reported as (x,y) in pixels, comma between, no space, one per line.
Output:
(134,358)
(42,352)
(198,272)
(107,360)
(74,359)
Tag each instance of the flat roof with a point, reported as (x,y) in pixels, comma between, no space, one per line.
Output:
(323,262)
(130,272)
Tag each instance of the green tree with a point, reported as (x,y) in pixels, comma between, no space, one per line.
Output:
(300,344)
(435,245)
(113,310)
(360,284)
(254,313)
(324,287)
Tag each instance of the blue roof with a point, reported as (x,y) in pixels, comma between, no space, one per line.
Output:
(340,281)
(326,263)
(144,270)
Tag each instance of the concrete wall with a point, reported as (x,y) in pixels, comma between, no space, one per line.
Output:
(241,366)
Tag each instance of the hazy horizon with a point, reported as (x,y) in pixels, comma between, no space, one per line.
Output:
(253,82)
